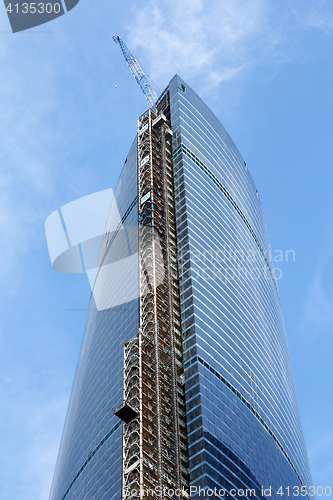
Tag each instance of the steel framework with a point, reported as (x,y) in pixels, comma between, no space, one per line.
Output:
(138,73)
(154,430)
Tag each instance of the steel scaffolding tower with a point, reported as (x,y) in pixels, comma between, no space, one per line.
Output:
(154,430)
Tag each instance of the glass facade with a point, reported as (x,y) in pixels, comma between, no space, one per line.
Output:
(243,422)
(90,459)
(243,425)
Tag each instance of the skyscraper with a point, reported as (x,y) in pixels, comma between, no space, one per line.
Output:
(188,385)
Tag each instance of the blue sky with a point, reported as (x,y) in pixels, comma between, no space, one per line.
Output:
(265,68)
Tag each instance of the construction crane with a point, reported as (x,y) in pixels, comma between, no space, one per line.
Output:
(142,79)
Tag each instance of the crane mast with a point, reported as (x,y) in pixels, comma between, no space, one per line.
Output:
(138,73)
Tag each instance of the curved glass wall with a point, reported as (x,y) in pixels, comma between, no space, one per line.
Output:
(90,458)
(244,427)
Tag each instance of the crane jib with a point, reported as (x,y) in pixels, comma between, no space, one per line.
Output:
(142,79)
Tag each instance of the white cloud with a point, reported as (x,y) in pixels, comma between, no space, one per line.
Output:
(26,181)
(317,14)
(200,36)
(35,129)
(219,41)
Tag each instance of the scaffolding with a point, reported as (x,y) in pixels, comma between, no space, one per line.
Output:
(154,432)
